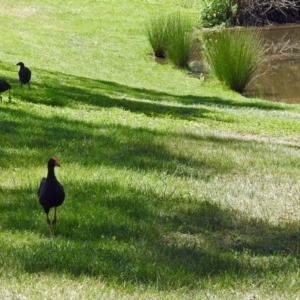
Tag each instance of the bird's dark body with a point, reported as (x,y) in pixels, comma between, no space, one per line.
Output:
(4,86)
(24,74)
(51,193)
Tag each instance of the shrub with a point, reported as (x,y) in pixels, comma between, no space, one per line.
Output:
(249,12)
(266,12)
(156,35)
(179,39)
(218,12)
(234,55)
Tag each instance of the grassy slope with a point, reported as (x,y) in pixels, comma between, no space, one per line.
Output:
(175,187)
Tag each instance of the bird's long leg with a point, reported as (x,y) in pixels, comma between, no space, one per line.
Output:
(9,98)
(49,226)
(1,98)
(54,217)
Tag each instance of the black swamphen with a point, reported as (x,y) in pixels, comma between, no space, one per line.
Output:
(4,86)
(51,192)
(24,74)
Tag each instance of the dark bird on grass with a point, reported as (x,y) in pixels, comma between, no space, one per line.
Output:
(4,86)
(24,74)
(51,192)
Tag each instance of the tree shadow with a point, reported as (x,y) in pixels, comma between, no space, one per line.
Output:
(113,145)
(121,233)
(59,89)
(139,238)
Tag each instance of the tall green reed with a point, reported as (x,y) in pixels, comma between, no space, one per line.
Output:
(234,55)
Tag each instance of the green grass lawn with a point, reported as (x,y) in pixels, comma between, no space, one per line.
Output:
(176,188)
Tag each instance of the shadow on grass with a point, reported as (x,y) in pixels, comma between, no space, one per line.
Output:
(123,235)
(59,89)
(111,144)
(120,233)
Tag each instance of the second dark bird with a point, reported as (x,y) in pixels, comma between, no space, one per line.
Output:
(51,192)
(24,74)
(4,86)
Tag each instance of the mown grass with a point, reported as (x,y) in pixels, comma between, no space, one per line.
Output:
(176,188)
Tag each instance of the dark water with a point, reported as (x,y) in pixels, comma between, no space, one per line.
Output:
(281,71)
(280,79)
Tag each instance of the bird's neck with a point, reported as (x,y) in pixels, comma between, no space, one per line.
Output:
(51,173)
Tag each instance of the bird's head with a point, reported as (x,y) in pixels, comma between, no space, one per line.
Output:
(20,64)
(53,162)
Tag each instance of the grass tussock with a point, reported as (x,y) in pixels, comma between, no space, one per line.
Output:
(171,36)
(180,39)
(235,56)
(156,35)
